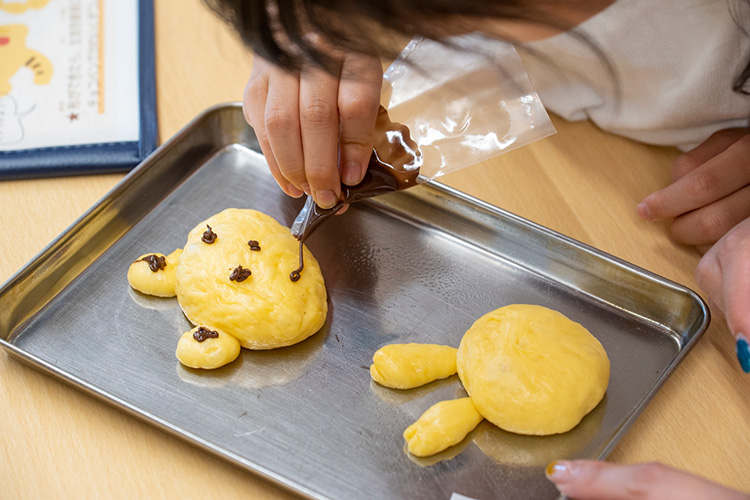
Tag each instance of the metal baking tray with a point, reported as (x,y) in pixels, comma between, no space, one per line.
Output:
(415,266)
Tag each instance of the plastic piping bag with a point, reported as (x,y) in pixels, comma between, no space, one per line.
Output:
(464,100)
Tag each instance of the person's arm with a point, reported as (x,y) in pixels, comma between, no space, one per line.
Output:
(310,122)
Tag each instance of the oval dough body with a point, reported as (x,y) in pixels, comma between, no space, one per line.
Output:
(405,366)
(441,426)
(531,370)
(267,309)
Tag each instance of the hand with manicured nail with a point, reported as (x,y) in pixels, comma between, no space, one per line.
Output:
(709,201)
(315,127)
(724,275)
(589,480)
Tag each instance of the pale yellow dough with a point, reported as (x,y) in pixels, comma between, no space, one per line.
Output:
(266,310)
(531,370)
(159,283)
(404,366)
(443,425)
(209,354)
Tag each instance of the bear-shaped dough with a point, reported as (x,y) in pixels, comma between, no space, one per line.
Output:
(531,370)
(234,275)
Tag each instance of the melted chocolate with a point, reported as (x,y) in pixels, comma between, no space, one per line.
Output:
(208,235)
(203,333)
(254,245)
(240,274)
(155,262)
(394,165)
(296,274)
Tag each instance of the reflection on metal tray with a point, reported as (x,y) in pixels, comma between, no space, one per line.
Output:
(416,266)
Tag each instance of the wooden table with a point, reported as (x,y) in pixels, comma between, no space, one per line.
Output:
(56,442)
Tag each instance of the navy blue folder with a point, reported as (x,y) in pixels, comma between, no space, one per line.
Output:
(99,158)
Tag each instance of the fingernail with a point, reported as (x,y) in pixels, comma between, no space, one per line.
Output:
(559,471)
(293,191)
(325,199)
(743,352)
(306,188)
(352,172)
(643,211)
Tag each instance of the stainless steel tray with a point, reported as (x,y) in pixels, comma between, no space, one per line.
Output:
(416,266)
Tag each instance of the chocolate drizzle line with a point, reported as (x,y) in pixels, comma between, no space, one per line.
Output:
(254,245)
(240,274)
(208,235)
(295,275)
(203,333)
(155,262)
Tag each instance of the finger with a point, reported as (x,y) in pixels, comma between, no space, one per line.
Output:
(708,224)
(588,480)
(734,259)
(710,279)
(319,120)
(358,101)
(283,127)
(714,179)
(254,108)
(711,147)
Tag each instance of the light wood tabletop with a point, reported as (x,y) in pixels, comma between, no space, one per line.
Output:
(58,442)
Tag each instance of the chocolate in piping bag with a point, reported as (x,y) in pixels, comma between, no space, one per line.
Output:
(394,165)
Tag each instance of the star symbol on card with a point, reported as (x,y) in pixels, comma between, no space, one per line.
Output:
(73,117)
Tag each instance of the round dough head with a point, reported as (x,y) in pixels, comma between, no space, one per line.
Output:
(264,309)
(531,370)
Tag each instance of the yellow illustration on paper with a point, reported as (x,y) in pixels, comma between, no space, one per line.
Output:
(14,55)
(18,7)
(68,73)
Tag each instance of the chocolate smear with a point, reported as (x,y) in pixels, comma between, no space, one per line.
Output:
(203,333)
(208,235)
(155,262)
(240,274)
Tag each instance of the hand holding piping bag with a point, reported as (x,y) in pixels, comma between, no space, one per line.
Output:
(310,121)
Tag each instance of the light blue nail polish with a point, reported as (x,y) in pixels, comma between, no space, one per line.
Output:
(743,353)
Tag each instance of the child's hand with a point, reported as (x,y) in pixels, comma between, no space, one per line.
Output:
(584,480)
(710,203)
(724,275)
(309,123)
(711,190)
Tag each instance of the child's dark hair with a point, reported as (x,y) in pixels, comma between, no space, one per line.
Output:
(278,30)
